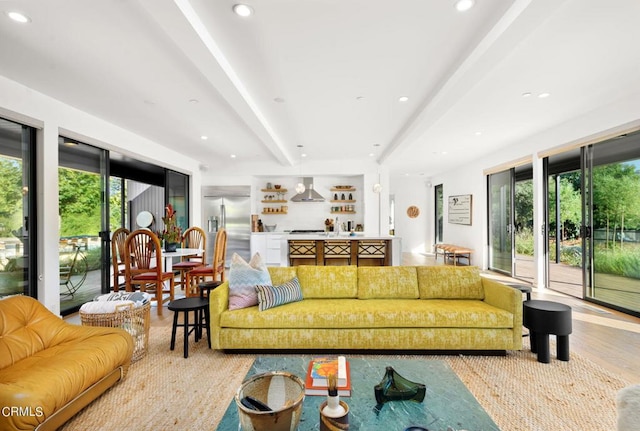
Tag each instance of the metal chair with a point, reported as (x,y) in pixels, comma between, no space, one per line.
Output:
(117,256)
(143,266)
(302,249)
(213,271)
(337,250)
(194,237)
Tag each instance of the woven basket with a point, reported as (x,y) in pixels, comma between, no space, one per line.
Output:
(133,320)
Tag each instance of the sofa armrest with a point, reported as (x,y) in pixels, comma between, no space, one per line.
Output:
(507,298)
(218,303)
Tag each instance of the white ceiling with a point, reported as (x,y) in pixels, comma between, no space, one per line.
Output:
(327,74)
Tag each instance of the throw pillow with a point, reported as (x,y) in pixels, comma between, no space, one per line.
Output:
(243,279)
(272,296)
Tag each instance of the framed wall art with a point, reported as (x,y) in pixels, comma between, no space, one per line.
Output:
(460,209)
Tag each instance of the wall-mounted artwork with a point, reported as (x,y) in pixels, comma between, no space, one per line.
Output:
(460,209)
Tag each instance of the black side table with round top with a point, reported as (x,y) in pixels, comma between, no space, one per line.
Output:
(200,307)
(547,317)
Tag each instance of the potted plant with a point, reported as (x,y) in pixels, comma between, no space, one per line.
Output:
(172,233)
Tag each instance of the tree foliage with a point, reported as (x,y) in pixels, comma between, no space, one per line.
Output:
(80,202)
(10,195)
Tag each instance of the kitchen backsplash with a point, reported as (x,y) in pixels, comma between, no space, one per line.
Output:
(308,215)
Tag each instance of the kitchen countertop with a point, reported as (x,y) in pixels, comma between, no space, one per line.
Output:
(342,237)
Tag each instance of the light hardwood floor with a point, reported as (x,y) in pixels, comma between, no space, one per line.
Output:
(609,338)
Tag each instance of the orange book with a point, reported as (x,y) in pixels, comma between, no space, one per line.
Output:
(316,382)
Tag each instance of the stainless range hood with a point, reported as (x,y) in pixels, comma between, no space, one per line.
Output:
(309,194)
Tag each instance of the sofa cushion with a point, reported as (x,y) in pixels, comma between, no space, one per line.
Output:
(282,274)
(394,282)
(272,296)
(450,282)
(328,281)
(373,313)
(243,279)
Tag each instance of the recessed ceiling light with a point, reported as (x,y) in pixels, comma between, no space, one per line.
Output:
(278,100)
(194,101)
(376,145)
(527,94)
(544,95)
(243,10)
(303,155)
(204,137)
(403,99)
(18,17)
(464,5)
(372,154)
(478,133)
(233,156)
(359,97)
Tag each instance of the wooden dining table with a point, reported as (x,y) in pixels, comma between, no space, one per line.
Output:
(168,256)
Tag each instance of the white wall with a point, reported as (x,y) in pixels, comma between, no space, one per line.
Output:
(52,118)
(415,232)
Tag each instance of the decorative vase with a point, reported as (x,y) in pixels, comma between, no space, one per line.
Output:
(170,246)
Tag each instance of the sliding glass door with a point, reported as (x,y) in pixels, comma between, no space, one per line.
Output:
(501,221)
(614,217)
(594,222)
(17,209)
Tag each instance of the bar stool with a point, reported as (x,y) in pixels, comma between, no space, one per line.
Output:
(372,250)
(302,249)
(199,306)
(337,250)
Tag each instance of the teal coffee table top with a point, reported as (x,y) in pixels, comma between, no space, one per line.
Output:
(447,405)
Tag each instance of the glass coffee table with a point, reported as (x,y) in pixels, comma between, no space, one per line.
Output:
(448,404)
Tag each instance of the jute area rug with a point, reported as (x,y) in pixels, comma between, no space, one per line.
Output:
(164,391)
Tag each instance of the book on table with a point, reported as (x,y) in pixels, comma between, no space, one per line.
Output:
(316,382)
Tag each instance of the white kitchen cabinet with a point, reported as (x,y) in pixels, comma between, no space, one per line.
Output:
(268,245)
(273,249)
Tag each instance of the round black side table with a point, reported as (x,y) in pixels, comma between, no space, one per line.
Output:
(547,317)
(199,306)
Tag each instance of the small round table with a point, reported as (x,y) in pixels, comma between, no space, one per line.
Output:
(547,317)
(199,306)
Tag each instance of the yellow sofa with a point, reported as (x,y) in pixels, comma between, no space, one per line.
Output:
(50,369)
(379,308)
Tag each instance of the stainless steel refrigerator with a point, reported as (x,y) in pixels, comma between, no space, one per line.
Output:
(229,208)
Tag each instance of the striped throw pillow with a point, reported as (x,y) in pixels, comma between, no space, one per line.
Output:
(272,296)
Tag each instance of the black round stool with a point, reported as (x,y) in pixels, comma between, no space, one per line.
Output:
(199,306)
(547,317)
(208,286)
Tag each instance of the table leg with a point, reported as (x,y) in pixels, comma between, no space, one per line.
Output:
(562,347)
(197,324)
(533,341)
(173,330)
(207,327)
(186,334)
(542,345)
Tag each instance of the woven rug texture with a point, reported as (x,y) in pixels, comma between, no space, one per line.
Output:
(164,391)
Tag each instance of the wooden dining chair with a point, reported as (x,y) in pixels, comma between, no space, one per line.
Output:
(117,257)
(194,237)
(215,271)
(143,267)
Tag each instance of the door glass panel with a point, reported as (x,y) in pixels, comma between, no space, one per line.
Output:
(616,231)
(439,213)
(81,209)
(523,216)
(17,264)
(500,222)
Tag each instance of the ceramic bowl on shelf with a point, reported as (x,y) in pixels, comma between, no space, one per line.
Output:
(277,186)
(270,227)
